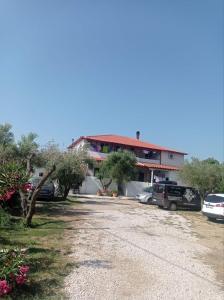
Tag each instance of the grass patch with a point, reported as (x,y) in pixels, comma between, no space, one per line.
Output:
(47,250)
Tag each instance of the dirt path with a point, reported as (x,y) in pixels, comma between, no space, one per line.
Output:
(126,250)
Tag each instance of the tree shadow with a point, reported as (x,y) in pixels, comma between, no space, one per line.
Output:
(217,221)
(56,210)
(95,263)
(5,242)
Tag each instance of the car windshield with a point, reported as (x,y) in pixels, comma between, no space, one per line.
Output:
(148,190)
(214,199)
(35,181)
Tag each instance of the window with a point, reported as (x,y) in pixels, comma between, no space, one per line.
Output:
(175,190)
(96,171)
(141,176)
(170,155)
(158,188)
(214,199)
(149,154)
(148,189)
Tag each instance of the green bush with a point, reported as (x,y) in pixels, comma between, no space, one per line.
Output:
(13,270)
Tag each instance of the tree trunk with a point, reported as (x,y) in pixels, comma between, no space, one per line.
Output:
(23,196)
(66,191)
(119,188)
(105,185)
(24,205)
(31,211)
(28,164)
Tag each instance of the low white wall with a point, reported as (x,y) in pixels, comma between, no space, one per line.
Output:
(132,188)
(91,185)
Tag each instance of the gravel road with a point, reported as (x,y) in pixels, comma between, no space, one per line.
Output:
(127,250)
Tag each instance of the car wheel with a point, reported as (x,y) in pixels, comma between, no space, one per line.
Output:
(160,206)
(149,201)
(173,206)
(210,219)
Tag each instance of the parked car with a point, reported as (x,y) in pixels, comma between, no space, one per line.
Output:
(145,196)
(175,196)
(213,206)
(47,191)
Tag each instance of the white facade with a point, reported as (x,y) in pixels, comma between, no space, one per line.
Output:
(172,159)
(91,184)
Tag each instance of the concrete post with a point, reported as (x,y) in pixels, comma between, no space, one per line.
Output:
(151,177)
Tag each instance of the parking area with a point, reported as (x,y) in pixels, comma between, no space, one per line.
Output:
(127,250)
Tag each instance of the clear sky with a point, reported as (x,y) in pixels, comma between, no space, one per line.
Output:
(72,68)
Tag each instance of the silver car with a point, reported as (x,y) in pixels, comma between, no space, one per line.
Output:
(146,196)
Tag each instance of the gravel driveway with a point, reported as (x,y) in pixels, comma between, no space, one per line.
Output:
(126,250)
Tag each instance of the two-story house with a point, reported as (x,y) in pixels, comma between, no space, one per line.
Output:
(154,163)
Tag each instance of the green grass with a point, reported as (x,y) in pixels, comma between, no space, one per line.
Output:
(47,250)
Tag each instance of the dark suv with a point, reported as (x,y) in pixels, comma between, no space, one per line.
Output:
(47,190)
(174,196)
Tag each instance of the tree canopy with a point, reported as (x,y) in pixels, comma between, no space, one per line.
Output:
(119,166)
(205,175)
(71,166)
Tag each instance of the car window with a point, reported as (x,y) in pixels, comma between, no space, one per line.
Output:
(148,189)
(158,188)
(214,199)
(175,190)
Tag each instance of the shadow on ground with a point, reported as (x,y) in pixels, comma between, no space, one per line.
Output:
(95,263)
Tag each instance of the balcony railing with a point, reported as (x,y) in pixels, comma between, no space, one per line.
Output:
(100,155)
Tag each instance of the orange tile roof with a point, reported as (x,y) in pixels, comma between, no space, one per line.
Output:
(123,140)
(158,166)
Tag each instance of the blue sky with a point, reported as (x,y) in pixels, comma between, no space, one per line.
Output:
(71,68)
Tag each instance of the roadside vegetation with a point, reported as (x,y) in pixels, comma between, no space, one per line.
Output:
(207,176)
(45,248)
(33,247)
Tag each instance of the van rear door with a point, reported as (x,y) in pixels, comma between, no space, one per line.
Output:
(191,198)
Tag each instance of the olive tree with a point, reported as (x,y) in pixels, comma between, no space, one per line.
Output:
(120,166)
(17,162)
(8,149)
(205,175)
(104,176)
(71,166)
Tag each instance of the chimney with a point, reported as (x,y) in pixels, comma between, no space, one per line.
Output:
(137,135)
(72,140)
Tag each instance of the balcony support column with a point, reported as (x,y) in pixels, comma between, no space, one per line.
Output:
(152,177)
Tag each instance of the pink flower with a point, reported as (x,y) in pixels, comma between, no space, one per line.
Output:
(21,279)
(5,288)
(24,269)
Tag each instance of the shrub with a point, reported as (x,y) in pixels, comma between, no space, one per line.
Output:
(13,270)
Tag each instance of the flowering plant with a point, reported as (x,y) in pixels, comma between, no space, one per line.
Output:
(13,270)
